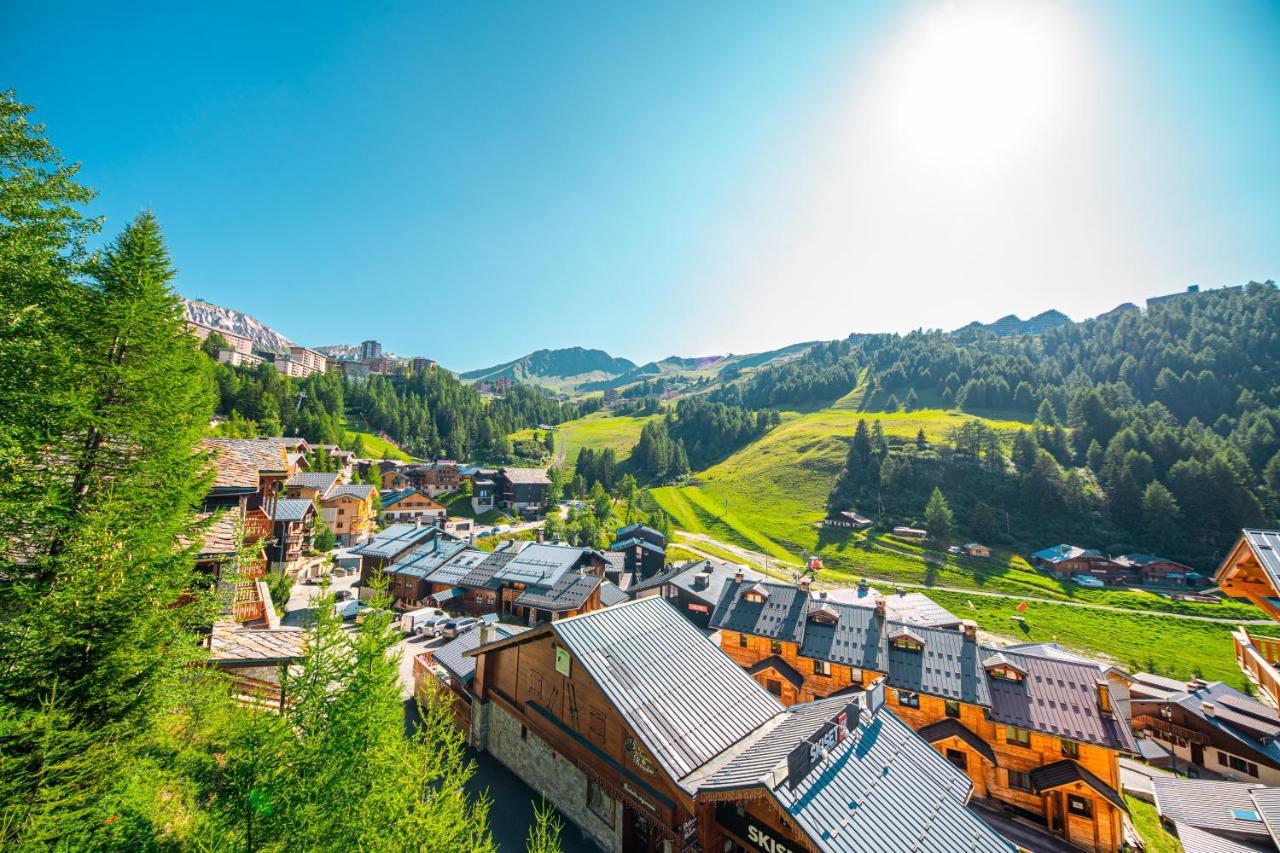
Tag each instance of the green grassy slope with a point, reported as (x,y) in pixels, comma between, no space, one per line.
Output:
(599,431)
(374,445)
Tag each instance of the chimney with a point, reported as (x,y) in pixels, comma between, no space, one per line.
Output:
(486,632)
(970,629)
(737,576)
(1209,708)
(822,595)
(417,522)
(862,586)
(804,583)
(539,535)
(880,606)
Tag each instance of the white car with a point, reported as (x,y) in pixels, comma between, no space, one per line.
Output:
(1088,581)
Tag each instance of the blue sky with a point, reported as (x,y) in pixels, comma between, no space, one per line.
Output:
(474,181)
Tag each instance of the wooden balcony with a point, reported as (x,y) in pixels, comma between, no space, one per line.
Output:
(257,525)
(247,606)
(1259,658)
(1163,729)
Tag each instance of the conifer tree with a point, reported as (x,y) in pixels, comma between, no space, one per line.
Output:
(937,516)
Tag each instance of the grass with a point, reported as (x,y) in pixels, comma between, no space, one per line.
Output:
(1178,648)
(770,496)
(1145,819)
(374,445)
(598,431)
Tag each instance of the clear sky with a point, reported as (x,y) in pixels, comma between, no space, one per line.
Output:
(477,180)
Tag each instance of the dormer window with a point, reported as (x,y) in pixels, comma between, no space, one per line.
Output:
(825,614)
(756,594)
(1104,698)
(908,645)
(1004,668)
(753,598)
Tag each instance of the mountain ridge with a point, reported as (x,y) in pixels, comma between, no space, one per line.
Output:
(216,317)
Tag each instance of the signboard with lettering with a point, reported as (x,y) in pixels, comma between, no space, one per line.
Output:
(811,751)
(759,835)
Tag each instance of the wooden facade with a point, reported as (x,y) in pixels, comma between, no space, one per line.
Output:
(1006,779)
(524,680)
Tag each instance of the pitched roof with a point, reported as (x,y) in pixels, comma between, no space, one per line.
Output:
(396,539)
(1066,772)
(1209,805)
(912,608)
(684,699)
(1057,697)
(453,654)
(879,788)
(541,563)
(947,665)
(611,594)
(952,728)
(230,642)
(779,666)
(570,592)
(1061,553)
(483,574)
(779,616)
(534,476)
(220,535)
(321,480)
(289,509)
(1265,545)
(637,542)
(360,491)
(238,461)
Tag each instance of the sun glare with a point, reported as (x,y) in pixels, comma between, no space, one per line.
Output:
(972,84)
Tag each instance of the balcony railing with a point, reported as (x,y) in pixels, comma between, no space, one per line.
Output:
(1259,657)
(256,525)
(1164,729)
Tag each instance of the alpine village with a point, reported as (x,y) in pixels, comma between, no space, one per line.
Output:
(1014,586)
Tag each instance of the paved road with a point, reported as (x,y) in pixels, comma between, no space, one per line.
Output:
(782,569)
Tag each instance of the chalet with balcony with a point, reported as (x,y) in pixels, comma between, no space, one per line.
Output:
(1034,731)
(293,532)
(522,489)
(436,478)
(411,505)
(648,739)
(1067,560)
(1252,571)
(1156,571)
(1212,731)
(351,511)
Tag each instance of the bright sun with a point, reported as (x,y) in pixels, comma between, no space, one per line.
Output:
(973,83)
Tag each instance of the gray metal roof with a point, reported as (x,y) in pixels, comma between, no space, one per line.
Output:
(395,540)
(779,616)
(610,594)
(1057,697)
(1066,772)
(948,666)
(684,699)
(452,655)
(1265,545)
(717,573)
(464,561)
(424,560)
(853,640)
(290,509)
(360,491)
(1195,840)
(541,563)
(909,608)
(881,788)
(1208,805)
(636,542)
(482,575)
(950,728)
(321,480)
(570,592)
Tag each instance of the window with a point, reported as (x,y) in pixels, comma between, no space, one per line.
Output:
(952,708)
(1070,748)
(1015,735)
(600,803)
(1079,806)
(1005,673)
(742,641)
(959,759)
(908,699)
(821,667)
(907,644)
(524,733)
(1238,764)
(773,686)
(775,647)
(1019,780)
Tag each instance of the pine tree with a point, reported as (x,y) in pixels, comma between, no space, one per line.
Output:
(982,523)
(937,517)
(544,834)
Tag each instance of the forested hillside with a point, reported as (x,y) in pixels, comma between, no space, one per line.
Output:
(1157,430)
(430,414)
(697,434)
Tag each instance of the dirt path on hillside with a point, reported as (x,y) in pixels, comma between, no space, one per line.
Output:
(786,571)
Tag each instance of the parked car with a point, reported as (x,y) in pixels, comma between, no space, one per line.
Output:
(366,611)
(348,609)
(1088,581)
(420,621)
(456,627)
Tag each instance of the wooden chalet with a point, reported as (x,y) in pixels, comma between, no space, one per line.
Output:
(1034,731)
(1252,571)
(1068,560)
(847,519)
(644,550)
(649,739)
(410,505)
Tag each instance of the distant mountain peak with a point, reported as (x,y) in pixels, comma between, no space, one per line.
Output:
(237,323)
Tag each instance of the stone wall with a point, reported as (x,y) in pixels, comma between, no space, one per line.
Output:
(549,773)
